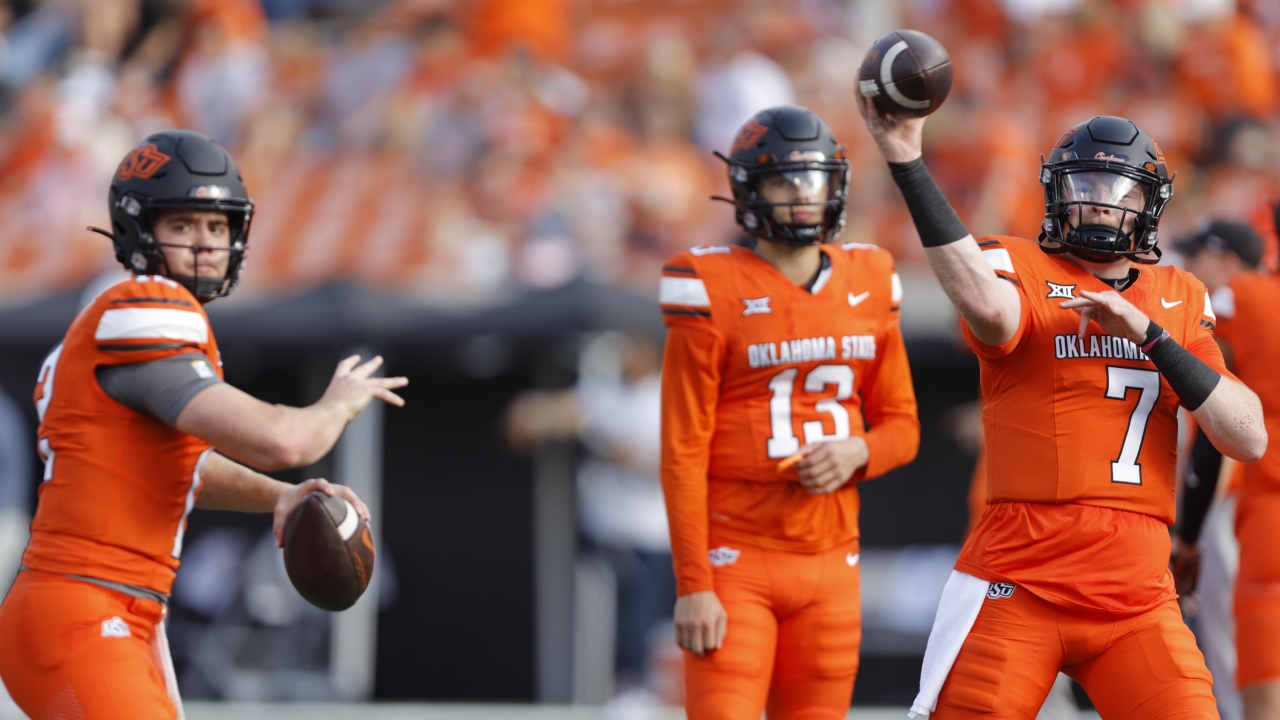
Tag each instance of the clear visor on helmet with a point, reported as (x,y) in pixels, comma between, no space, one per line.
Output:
(1104,188)
(796,186)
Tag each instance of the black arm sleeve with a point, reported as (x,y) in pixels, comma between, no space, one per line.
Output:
(935,219)
(1201,485)
(1190,377)
(161,387)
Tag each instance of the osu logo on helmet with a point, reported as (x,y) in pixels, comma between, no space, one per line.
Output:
(749,136)
(142,163)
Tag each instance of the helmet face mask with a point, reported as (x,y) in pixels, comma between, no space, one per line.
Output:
(1105,184)
(790,178)
(173,170)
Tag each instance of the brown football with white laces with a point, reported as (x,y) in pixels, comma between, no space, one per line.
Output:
(328,551)
(906,73)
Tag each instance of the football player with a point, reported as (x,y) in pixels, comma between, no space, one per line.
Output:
(1248,331)
(137,428)
(1086,350)
(1220,255)
(784,383)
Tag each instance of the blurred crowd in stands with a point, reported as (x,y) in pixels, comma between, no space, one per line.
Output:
(459,150)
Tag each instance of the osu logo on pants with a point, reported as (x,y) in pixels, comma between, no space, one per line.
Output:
(1000,590)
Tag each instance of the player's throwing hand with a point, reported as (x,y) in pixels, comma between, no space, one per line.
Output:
(290,499)
(900,138)
(352,387)
(1117,316)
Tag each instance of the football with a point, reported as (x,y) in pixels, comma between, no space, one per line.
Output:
(328,551)
(906,73)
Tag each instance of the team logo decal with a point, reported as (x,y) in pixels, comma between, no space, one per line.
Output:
(750,135)
(142,163)
(115,627)
(756,306)
(722,556)
(1060,291)
(995,591)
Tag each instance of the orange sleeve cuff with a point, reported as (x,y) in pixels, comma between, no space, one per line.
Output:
(891,444)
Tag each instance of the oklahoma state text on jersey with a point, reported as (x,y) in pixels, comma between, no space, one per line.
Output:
(755,368)
(1077,430)
(118,484)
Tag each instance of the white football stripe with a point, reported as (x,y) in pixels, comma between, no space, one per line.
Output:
(1208,307)
(890,87)
(138,323)
(895,284)
(347,527)
(999,259)
(683,291)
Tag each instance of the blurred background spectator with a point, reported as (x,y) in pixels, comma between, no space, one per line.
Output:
(613,409)
(458,150)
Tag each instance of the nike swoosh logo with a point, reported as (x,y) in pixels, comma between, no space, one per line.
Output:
(851,559)
(856,300)
(1168,304)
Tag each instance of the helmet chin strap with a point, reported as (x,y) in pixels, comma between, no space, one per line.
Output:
(203,288)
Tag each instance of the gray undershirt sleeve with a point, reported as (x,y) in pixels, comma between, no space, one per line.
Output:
(161,387)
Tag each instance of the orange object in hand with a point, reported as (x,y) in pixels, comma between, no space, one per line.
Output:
(788,461)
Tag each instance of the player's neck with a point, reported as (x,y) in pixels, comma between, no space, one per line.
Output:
(1106,271)
(797,263)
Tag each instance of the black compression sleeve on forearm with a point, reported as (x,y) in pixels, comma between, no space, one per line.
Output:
(1187,374)
(1191,378)
(1201,485)
(935,219)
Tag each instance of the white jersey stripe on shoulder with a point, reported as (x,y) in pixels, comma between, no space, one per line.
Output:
(1224,303)
(999,259)
(138,323)
(1208,307)
(683,291)
(895,284)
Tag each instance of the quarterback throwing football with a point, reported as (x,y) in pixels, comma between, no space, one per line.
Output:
(137,428)
(1086,350)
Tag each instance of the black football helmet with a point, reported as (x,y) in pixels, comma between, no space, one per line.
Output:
(791,154)
(177,169)
(1105,185)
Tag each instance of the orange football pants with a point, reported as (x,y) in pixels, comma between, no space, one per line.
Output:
(791,645)
(1133,667)
(70,650)
(1257,597)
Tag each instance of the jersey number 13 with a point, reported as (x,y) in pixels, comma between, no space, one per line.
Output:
(784,441)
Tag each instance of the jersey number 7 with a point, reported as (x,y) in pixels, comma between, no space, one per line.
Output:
(1126,469)
(784,442)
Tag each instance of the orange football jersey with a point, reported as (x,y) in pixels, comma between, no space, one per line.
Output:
(756,367)
(1081,437)
(118,483)
(1250,327)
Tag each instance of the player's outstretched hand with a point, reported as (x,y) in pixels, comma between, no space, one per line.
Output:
(290,499)
(900,139)
(827,466)
(352,386)
(1117,316)
(701,622)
